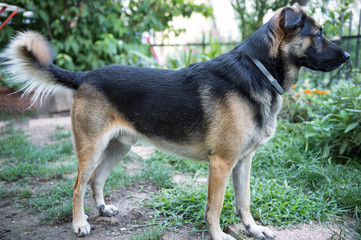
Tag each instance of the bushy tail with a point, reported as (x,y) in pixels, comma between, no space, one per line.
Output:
(28,61)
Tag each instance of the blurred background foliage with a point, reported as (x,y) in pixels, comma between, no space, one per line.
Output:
(250,14)
(89,34)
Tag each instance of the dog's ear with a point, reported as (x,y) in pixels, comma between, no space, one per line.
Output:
(292,18)
(284,21)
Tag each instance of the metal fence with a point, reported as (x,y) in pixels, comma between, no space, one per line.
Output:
(348,39)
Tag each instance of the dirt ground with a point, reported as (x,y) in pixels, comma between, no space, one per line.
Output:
(15,224)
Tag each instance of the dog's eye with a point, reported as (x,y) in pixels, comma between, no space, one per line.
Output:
(319,35)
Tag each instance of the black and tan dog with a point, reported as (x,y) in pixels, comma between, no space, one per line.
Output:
(219,111)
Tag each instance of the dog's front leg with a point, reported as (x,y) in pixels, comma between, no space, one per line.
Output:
(241,182)
(219,172)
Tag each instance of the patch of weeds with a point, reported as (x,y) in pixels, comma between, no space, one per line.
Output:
(27,165)
(183,165)
(20,117)
(180,205)
(25,193)
(153,233)
(156,172)
(276,203)
(22,159)
(5,192)
(286,158)
(118,178)
(60,134)
(349,230)
(66,148)
(273,203)
(54,202)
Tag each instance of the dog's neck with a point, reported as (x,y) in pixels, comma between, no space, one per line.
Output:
(269,76)
(284,71)
(291,73)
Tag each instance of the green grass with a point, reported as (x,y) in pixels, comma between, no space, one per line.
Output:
(180,164)
(21,159)
(31,169)
(53,202)
(20,117)
(153,233)
(291,183)
(60,134)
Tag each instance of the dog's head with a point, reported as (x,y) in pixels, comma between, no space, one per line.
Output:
(300,40)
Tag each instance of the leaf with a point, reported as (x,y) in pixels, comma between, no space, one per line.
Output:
(326,152)
(294,207)
(44,15)
(326,117)
(343,146)
(353,110)
(351,126)
(310,135)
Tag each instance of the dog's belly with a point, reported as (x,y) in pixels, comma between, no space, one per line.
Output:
(195,151)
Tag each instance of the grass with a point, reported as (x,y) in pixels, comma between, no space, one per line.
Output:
(291,183)
(60,133)
(29,168)
(42,177)
(153,233)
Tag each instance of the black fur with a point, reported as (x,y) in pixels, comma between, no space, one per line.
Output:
(161,103)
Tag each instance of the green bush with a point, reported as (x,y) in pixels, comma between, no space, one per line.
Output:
(332,119)
(336,127)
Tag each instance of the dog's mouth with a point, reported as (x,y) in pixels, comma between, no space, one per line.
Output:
(329,65)
(345,57)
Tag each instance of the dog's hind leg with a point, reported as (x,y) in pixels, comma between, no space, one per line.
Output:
(93,128)
(241,183)
(219,172)
(114,152)
(88,157)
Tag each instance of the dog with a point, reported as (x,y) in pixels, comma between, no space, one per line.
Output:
(218,111)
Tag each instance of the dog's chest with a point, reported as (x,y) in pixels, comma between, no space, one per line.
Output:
(259,135)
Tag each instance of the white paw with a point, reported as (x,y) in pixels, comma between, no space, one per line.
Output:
(222,236)
(260,232)
(81,228)
(107,210)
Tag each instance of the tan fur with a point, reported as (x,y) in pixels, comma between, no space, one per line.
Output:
(219,172)
(280,32)
(94,123)
(278,21)
(230,128)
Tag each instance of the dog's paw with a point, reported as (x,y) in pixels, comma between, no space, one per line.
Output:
(260,232)
(107,210)
(81,228)
(222,236)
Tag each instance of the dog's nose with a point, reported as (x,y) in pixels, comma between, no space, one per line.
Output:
(346,55)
